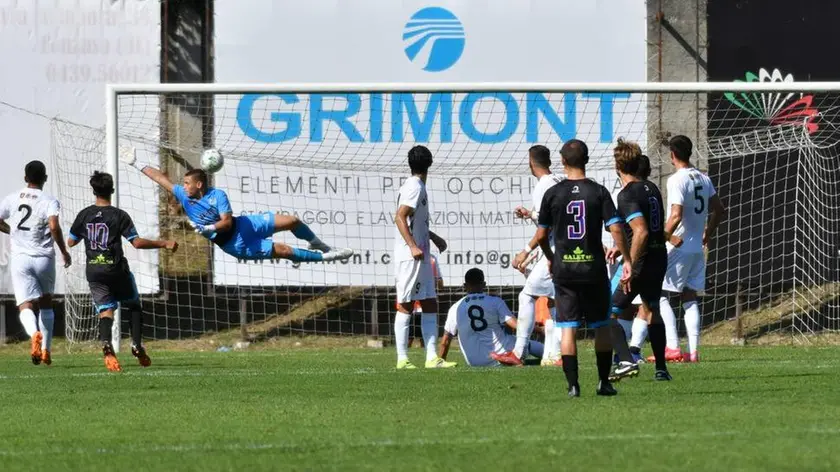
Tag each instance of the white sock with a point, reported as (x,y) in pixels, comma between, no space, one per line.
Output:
(672,341)
(524,323)
(47,320)
(627,326)
(692,324)
(401,324)
(429,328)
(640,329)
(27,319)
(549,335)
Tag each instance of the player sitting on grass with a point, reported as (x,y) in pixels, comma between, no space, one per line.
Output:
(477,321)
(101,227)
(33,215)
(245,237)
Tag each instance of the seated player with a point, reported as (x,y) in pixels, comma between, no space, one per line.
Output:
(477,321)
(112,284)
(245,237)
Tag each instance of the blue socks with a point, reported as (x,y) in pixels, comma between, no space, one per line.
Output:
(305,255)
(302,231)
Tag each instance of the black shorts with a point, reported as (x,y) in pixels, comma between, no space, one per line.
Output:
(578,302)
(647,285)
(108,293)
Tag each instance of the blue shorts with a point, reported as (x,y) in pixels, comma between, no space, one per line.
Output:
(251,239)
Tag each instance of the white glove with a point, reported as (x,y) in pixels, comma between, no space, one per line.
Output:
(128,155)
(204,230)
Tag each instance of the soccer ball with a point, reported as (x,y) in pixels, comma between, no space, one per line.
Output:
(212,160)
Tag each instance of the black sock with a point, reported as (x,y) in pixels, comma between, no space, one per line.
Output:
(604,361)
(656,332)
(570,368)
(136,327)
(619,342)
(105,326)
(635,350)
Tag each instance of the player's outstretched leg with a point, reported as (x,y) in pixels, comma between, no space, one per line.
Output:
(106,324)
(295,254)
(46,323)
(137,348)
(30,325)
(301,231)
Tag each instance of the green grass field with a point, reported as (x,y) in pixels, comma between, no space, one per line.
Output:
(755,408)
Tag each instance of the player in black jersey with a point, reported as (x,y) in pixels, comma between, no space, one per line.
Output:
(577,208)
(640,207)
(102,227)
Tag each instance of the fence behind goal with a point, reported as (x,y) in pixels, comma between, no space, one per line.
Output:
(335,156)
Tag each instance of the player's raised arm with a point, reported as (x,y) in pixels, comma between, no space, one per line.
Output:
(155,174)
(129,232)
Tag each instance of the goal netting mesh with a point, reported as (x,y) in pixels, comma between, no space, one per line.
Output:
(336,160)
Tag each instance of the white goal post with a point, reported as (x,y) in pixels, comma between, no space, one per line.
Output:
(759,136)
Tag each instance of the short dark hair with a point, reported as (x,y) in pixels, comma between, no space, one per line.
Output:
(200,175)
(643,172)
(419,159)
(35,172)
(474,276)
(540,155)
(681,147)
(575,153)
(102,184)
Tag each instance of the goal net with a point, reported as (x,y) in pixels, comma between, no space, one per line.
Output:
(335,156)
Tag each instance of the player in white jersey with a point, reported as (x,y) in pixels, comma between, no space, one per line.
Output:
(477,320)
(415,280)
(695,212)
(539,283)
(31,216)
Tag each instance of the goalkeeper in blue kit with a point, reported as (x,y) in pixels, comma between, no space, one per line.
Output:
(245,237)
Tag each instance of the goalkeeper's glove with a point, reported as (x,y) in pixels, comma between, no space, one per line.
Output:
(204,230)
(128,155)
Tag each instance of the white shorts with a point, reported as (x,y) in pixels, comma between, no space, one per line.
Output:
(415,280)
(32,277)
(685,270)
(539,282)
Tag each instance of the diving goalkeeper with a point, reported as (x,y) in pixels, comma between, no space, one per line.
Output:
(245,237)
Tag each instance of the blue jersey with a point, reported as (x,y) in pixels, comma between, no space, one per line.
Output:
(207,210)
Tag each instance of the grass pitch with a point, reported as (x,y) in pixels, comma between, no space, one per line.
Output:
(756,408)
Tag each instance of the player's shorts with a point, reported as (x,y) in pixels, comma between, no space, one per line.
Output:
(582,302)
(647,286)
(108,293)
(251,238)
(415,280)
(32,277)
(539,283)
(685,270)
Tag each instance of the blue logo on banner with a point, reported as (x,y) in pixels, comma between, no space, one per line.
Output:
(434,38)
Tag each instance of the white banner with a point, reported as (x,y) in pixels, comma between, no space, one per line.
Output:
(57,58)
(480,140)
